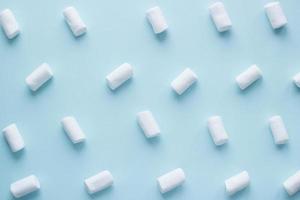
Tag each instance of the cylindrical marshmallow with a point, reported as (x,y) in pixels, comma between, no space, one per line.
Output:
(157,19)
(220,16)
(13,138)
(248,77)
(217,130)
(25,186)
(275,15)
(237,183)
(184,81)
(171,180)
(73,129)
(74,21)
(296,80)
(278,130)
(148,123)
(9,23)
(99,182)
(119,76)
(39,76)
(292,184)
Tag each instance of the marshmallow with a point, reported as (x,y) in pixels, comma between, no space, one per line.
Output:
(292,184)
(25,186)
(278,129)
(13,138)
(74,21)
(248,77)
(275,14)
(39,76)
(119,76)
(217,130)
(73,129)
(9,23)
(148,123)
(237,183)
(98,182)
(157,20)
(184,81)
(220,16)
(171,180)
(296,80)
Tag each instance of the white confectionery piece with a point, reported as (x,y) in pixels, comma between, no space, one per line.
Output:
(157,20)
(99,182)
(25,186)
(220,16)
(292,184)
(278,130)
(148,123)
(275,14)
(217,130)
(184,81)
(9,23)
(171,180)
(237,183)
(119,76)
(73,129)
(248,77)
(296,80)
(13,138)
(74,21)
(39,76)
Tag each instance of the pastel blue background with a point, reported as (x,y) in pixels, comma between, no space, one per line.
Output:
(118,32)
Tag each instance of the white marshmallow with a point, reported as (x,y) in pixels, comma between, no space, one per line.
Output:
(25,186)
(278,129)
(217,130)
(171,180)
(39,76)
(275,14)
(157,20)
(248,77)
(292,184)
(9,23)
(13,138)
(148,123)
(74,21)
(237,183)
(184,81)
(119,76)
(73,129)
(220,16)
(296,80)
(99,182)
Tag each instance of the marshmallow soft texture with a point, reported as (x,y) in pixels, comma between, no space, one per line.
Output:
(278,129)
(237,183)
(275,15)
(119,76)
(171,180)
(292,184)
(98,182)
(73,129)
(13,138)
(157,20)
(220,16)
(25,186)
(184,81)
(217,130)
(296,80)
(39,76)
(248,77)
(9,23)
(74,21)
(148,123)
